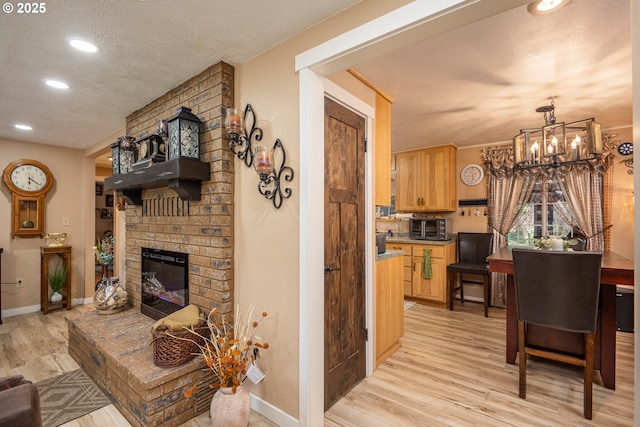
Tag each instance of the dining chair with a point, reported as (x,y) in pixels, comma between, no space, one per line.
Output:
(473,250)
(558,290)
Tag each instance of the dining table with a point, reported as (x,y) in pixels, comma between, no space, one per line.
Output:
(615,270)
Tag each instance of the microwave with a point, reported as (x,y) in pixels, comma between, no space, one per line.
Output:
(429,228)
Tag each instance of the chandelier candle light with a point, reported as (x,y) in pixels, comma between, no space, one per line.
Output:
(547,146)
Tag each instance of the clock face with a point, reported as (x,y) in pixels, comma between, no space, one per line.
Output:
(144,149)
(29,178)
(472,174)
(626,148)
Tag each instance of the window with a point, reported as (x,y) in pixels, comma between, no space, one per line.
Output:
(546,214)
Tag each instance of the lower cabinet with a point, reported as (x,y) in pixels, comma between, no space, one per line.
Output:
(389,307)
(416,287)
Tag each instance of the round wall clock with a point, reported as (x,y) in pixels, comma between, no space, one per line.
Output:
(29,181)
(626,148)
(472,174)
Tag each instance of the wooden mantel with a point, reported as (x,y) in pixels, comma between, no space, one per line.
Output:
(183,175)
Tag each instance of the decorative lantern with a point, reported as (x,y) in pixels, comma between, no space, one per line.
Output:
(122,155)
(184,135)
(233,123)
(263,161)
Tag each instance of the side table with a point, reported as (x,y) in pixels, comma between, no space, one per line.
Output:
(48,254)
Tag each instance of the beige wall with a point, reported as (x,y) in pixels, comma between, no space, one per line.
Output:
(470,223)
(266,239)
(71,196)
(622,232)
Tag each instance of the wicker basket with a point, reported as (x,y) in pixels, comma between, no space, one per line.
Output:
(169,351)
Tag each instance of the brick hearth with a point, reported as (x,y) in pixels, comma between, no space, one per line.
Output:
(116,352)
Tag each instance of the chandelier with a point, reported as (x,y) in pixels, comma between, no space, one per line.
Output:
(555,144)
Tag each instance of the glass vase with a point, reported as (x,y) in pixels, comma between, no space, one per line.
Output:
(110,296)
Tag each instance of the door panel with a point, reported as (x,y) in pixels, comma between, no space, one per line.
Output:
(345,362)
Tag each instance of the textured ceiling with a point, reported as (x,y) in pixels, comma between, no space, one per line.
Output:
(476,85)
(146,48)
(482,83)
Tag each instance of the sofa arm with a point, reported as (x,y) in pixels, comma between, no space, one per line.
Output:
(12,381)
(20,406)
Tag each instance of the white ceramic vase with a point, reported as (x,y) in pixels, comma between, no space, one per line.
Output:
(56,297)
(230,409)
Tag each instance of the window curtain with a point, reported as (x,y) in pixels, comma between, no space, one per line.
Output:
(582,188)
(507,194)
(509,190)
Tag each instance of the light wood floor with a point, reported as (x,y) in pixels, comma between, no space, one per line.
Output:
(35,346)
(450,371)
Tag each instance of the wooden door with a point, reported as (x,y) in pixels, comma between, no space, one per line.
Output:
(344,252)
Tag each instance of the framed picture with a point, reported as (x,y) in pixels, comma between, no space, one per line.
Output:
(98,189)
(108,200)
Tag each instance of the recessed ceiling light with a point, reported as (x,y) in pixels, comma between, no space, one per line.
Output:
(540,7)
(22,127)
(57,84)
(83,45)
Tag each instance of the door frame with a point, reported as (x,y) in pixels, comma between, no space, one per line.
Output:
(418,20)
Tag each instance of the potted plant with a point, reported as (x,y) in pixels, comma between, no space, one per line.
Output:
(57,279)
(229,354)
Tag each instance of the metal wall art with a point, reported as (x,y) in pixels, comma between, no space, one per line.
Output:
(264,159)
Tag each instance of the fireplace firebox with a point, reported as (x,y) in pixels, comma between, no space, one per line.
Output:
(165,282)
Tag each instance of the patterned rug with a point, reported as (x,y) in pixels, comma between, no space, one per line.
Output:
(69,396)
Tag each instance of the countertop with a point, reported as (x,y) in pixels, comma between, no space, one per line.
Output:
(389,254)
(418,242)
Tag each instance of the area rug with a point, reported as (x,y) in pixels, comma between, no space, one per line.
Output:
(69,396)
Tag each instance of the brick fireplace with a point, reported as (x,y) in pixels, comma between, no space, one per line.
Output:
(115,350)
(202,229)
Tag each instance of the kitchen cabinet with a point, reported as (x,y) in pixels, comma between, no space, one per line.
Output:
(382,141)
(383,151)
(434,290)
(426,180)
(407,263)
(389,307)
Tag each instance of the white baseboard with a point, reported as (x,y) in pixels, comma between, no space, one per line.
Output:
(35,308)
(20,310)
(272,413)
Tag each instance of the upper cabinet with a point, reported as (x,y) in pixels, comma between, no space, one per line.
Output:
(383,151)
(426,180)
(382,139)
